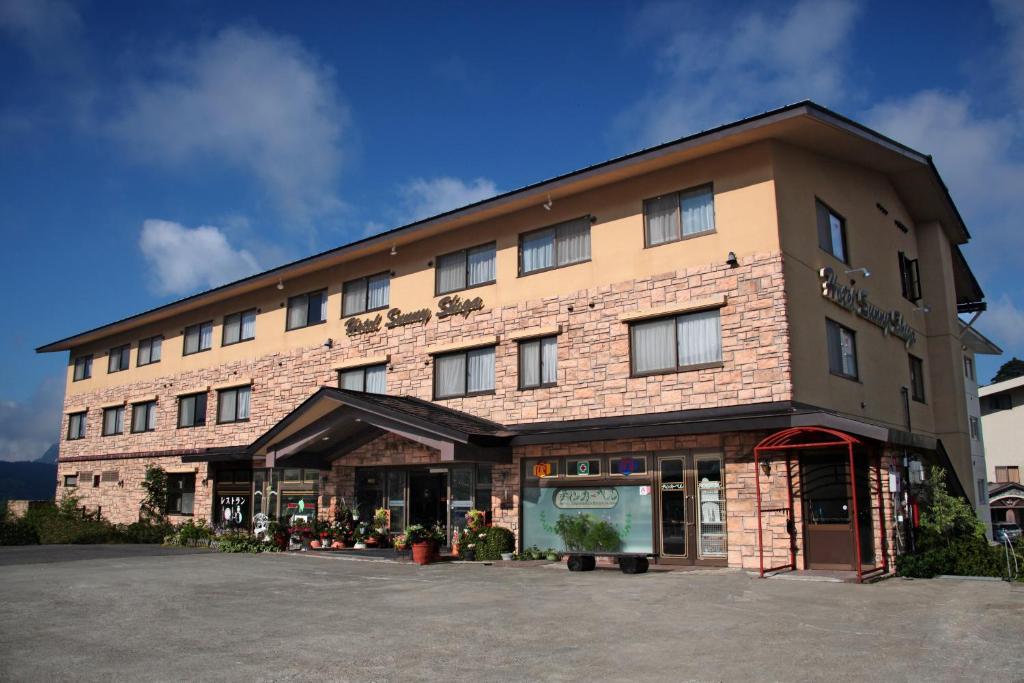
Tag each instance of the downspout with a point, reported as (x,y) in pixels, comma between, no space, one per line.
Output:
(908,521)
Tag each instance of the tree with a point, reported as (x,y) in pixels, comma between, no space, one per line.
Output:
(154,504)
(1010,369)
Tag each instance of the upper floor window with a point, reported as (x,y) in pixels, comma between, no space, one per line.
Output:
(70,480)
(76,426)
(144,417)
(113,421)
(198,338)
(538,363)
(465,268)
(150,350)
(181,492)
(372,379)
(996,402)
(192,410)
(1008,474)
(683,342)
(233,404)
(916,378)
(464,373)
(365,294)
(83,368)
(842,350)
(119,358)
(559,245)
(675,216)
(307,309)
(969,368)
(238,327)
(975,425)
(910,278)
(832,232)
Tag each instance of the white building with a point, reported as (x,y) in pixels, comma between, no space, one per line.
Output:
(1002,418)
(973,344)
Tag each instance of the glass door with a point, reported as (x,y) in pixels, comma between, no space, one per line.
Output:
(396,499)
(710,506)
(672,506)
(461,496)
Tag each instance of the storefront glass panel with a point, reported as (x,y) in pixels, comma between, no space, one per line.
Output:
(396,499)
(626,508)
(462,496)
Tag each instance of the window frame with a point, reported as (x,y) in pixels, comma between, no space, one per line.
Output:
(195,412)
(634,373)
(910,278)
(233,390)
(540,363)
(554,246)
(86,368)
(199,344)
(571,473)
(103,426)
(81,415)
(124,357)
(363,369)
(678,194)
(148,341)
(974,427)
(150,407)
(70,484)
(224,327)
(465,352)
(173,495)
(465,265)
(828,355)
(1006,470)
(917,388)
(366,298)
(306,295)
(641,458)
(969,371)
(842,231)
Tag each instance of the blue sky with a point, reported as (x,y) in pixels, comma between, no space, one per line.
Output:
(151,150)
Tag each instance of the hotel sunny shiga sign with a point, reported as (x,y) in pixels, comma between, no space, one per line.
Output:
(856,301)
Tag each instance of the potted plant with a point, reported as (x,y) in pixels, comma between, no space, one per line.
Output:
(400,542)
(424,542)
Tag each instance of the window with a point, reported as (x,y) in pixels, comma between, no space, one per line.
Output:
(969,368)
(307,309)
(198,338)
(560,245)
(144,417)
(70,481)
(538,363)
(465,268)
(233,405)
(192,410)
(672,217)
(372,379)
(628,465)
(119,358)
(149,351)
(238,327)
(1008,474)
(464,373)
(95,481)
(113,421)
(975,427)
(832,232)
(76,426)
(916,378)
(83,368)
(683,342)
(910,278)
(995,403)
(842,350)
(181,493)
(365,294)
(588,467)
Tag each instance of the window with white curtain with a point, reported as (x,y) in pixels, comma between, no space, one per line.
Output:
(538,362)
(198,338)
(113,421)
(83,368)
(465,268)
(842,350)
(365,294)
(464,373)
(144,417)
(559,245)
(119,358)
(672,217)
(76,426)
(149,350)
(307,309)
(371,378)
(691,340)
(239,327)
(192,410)
(832,232)
(233,404)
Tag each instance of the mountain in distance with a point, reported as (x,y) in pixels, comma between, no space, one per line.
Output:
(30,480)
(50,456)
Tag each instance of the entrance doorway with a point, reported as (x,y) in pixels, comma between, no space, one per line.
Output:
(691,509)
(428,499)
(828,510)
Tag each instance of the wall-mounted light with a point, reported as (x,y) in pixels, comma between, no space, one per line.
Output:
(329,343)
(394,250)
(923,308)
(731,260)
(280,284)
(548,204)
(766,468)
(867,273)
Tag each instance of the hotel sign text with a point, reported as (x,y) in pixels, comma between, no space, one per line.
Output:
(447,307)
(856,301)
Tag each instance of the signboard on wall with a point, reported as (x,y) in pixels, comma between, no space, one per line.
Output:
(628,508)
(586,499)
(855,300)
(447,307)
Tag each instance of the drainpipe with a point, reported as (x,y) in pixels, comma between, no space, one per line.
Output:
(908,521)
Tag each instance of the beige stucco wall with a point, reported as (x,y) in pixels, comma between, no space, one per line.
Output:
(1003,432)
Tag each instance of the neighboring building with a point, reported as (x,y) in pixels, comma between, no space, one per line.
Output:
(975,343)
(1002,423)
(616,340)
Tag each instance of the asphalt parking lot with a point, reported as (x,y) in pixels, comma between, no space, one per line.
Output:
(139,613)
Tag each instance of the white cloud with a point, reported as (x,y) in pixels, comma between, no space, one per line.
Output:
(1010,13)
(29,427)
(45,28)
(253,100)
(708,74)
(185,260)
(1003,323)
(424,197)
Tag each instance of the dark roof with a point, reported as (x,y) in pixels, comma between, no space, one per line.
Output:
(423,411)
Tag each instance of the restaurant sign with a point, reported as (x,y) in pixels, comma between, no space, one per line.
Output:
(446,307)
(856,301)
(577,499)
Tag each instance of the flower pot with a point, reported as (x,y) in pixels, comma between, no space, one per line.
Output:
(371,542)
(360,546)
(315,545)
(336,545)
(423,552)
(469,554)
(506,557)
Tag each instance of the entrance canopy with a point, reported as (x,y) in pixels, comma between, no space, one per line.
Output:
(333,422)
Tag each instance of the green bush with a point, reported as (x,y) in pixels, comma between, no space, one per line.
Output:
(17,532)
(190,534)
(143,532)
(586,532)
(497,540)
(237,542)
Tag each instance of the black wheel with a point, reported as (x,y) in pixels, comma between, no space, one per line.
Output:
(634,565)
(581,563)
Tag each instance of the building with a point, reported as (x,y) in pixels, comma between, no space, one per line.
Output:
(975,343)
(1002,423)
(680,341)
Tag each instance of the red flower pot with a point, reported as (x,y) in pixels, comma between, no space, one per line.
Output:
(423,552)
